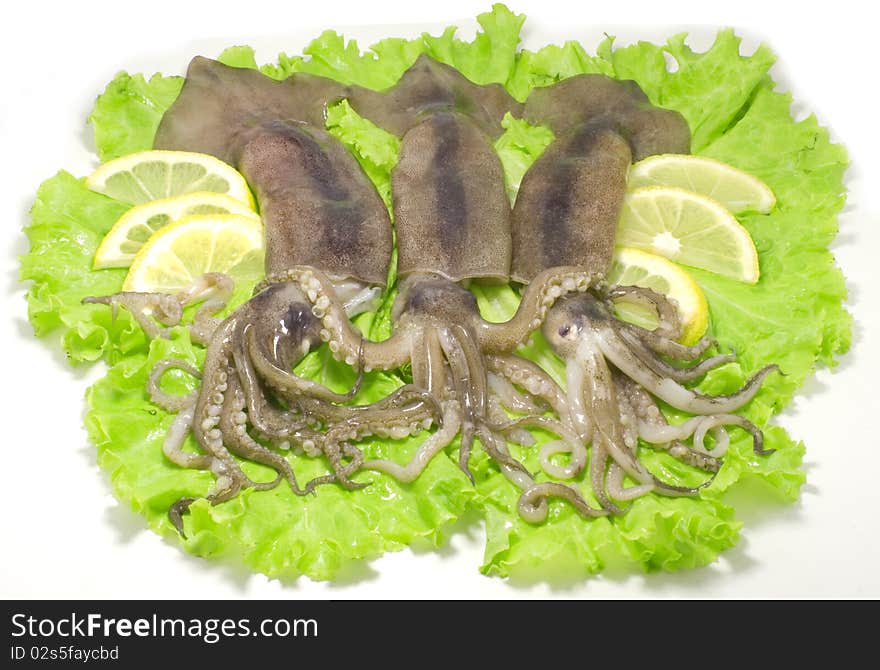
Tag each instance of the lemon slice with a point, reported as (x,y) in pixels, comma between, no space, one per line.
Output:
(688,228)
(631,267)
(152,175)
(137,225)
(737,190)
(183,251)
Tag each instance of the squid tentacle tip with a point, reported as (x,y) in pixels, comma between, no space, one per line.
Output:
(465,468)
(176,512)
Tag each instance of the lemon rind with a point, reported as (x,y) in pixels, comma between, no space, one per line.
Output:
(763,203)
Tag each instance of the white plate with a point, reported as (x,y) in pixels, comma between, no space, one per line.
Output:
(64,535)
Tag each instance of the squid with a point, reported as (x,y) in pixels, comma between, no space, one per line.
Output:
(452,219)
(566,214)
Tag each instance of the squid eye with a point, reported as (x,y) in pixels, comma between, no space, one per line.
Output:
(297,318)
(564,330)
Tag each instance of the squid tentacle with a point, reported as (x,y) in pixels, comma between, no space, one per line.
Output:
(213,289)
(508,397)
(692,457)
(167,401)
(497,415)
(462,377)
(469,381)
(604,410)
(599,459)
(669,320)
(629,429)
(531,377)
(570,443)
(664,369)
(233,426)
(668,389)
(172,446)
(176,512)
(432,445)
(289,383)
(666,346)
(335,453)
(157,313)
(530,505)
(537,298)
(716,422)
(207,416)
(393,422)
(653,428)
(616,489)
(538,384)
(269,421)
(428,370)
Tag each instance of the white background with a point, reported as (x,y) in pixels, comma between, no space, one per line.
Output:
(63,535)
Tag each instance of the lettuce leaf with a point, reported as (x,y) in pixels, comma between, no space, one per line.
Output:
(709,89)
(552,63)
(67,223)
(518,148)
(794,316)
(489,58)
(375,149)
(127,113)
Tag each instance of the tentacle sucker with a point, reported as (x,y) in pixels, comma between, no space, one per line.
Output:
(432,445)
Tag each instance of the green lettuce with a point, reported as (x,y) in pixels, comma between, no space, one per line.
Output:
(518,148)
(552,63)
(127,113)
(67,223)
(794,316)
